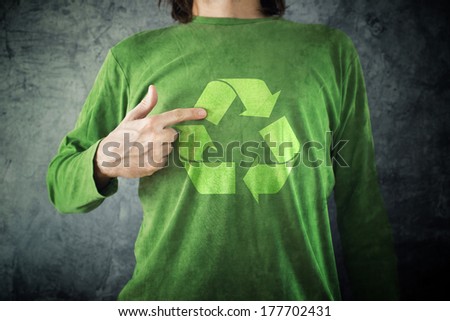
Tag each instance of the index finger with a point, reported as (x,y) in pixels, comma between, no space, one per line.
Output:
(179,115)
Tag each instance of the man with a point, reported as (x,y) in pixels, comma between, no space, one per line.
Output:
(234,223)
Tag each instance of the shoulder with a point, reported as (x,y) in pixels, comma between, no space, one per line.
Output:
(320,35)
(141,42)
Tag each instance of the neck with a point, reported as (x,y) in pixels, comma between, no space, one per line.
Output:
(248,9)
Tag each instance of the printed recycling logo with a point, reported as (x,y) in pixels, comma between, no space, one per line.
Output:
(220,178)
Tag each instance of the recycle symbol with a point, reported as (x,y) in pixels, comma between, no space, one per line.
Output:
(220,178)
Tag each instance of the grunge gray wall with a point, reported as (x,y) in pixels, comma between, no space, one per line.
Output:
(50,52)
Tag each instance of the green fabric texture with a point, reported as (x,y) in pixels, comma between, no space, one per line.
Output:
(218,230)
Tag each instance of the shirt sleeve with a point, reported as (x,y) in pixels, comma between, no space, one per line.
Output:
(365,231)
(70,176)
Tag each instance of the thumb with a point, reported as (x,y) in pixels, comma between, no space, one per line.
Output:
(145,106)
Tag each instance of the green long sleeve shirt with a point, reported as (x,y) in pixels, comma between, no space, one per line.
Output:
(249,222)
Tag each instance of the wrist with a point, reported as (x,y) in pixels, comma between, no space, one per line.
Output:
(101,176)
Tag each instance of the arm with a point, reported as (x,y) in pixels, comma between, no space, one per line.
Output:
(363,223)
(83,173)
(70,176)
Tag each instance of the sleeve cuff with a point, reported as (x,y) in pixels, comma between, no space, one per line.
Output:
(91,187)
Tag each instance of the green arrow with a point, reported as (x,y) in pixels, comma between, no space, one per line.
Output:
(281,139)
(192,141)
(255,95)
(212,178)
(216,98)
(266,179)
(220,178)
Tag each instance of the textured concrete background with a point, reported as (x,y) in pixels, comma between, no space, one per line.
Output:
(50,53)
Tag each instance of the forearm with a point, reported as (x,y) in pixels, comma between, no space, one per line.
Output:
(71,182)
(367,242)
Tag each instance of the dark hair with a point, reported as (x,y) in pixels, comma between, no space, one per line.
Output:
(182,9)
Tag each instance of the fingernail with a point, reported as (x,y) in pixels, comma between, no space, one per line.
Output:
(201,112)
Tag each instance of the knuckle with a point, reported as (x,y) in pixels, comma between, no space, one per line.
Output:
(172,135)
(166,149)
(150,121)
(179,114)
(144,100)
(150,171)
